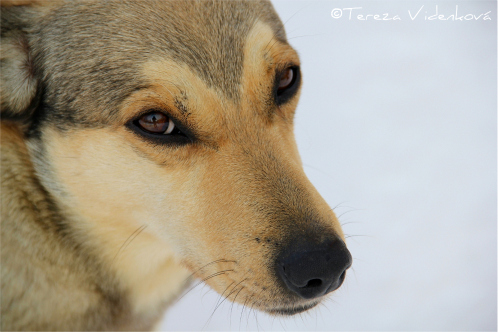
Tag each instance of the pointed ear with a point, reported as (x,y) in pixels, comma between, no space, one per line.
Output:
(18,84)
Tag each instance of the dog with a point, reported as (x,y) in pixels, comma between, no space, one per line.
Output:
(146,143)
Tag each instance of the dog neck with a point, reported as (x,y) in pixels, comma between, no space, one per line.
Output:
(121,281)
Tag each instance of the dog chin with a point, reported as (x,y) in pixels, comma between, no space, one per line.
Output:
(291,310)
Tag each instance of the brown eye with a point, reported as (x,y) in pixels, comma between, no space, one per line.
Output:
(156,123)
(159,128)
(286,84)
(286,79)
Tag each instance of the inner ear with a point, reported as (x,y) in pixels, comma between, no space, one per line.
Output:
(18,85)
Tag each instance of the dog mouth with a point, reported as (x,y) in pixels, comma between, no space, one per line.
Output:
(291,310)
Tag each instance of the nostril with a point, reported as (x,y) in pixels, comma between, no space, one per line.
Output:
(313,283)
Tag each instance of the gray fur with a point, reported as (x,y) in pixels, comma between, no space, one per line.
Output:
(86,55)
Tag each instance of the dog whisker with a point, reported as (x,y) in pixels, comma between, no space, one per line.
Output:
(314,35)
(280,320)
(340,205)
(346,206)
(282,27)
(346,212)
(350,222)
(129,240)
(316,319)
(216,274)
(255,314)
(247,315)
(233,303)
(218,304)
(192,275)
(320,171)
(231,292)
(242,312)
(135,236)
(253,305)
(220,297)
(301,316)
(201,282)
(350,236)
(273,44)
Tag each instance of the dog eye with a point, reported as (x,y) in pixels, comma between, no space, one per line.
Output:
(156,123)
(159,128)
(286,84)
(286,79)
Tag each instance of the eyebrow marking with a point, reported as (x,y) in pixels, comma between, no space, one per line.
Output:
(180,105)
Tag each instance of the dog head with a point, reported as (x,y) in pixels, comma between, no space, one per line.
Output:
(176,117)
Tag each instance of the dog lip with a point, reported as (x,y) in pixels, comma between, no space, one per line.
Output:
(291,310)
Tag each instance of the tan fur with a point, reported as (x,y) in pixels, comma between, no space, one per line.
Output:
(101,228)
(32,271)
(103,219)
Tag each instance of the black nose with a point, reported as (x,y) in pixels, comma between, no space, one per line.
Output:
(312,270)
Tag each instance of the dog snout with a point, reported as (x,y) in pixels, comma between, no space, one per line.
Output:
(313,270)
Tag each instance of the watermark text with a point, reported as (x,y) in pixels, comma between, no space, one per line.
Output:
(422,13)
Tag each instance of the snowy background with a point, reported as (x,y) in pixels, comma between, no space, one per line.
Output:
(397,128)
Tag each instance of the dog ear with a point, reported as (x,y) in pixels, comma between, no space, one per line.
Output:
(18,83)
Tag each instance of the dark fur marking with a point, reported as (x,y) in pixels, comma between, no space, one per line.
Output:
(181,107)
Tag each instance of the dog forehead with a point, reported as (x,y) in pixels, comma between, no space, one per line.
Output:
(208,36)
(106,43)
